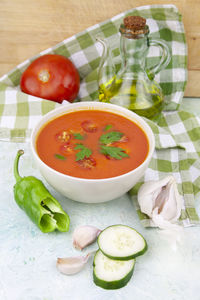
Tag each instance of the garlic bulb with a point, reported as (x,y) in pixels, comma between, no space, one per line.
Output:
(84,236)
(161,201)
(72,265)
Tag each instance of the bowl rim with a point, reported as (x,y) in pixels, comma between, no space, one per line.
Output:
(59,111)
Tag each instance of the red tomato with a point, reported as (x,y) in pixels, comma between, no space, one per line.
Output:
(89,126)
(52,77)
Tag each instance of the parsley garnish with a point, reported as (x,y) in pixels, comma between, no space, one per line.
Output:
(114,152)
(59,156)
(78,136)
(107,127)
(85,152)
(110,137)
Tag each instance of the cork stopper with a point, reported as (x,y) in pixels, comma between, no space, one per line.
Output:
(134,22)
(134,26)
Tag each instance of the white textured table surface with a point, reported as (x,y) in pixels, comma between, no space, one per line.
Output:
(28,257)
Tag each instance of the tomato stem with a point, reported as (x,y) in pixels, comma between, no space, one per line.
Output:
(44,76)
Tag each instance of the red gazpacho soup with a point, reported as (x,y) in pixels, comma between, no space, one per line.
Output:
(92,144)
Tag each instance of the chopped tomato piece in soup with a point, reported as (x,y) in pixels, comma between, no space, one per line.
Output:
(87,163)
(66,149)
(89,126)
(63,136)
(123,139)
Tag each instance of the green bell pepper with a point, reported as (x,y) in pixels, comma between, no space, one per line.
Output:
(43,209)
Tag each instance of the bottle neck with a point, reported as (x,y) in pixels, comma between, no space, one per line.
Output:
(133,52)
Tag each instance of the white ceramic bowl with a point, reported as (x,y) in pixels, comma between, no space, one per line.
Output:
(92,190)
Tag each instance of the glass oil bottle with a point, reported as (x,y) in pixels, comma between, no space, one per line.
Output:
(133,86)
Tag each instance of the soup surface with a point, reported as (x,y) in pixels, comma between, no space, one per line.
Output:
(92,144)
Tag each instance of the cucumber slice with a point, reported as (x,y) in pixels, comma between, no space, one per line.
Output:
(111,274)
(121,242)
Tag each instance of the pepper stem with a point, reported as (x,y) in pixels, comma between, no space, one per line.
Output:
(16,162)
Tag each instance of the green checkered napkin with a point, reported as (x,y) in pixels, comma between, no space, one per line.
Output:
(20,112)
(177,153)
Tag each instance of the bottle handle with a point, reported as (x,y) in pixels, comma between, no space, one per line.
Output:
(165,57)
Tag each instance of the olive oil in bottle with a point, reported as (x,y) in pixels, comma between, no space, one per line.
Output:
(143,97)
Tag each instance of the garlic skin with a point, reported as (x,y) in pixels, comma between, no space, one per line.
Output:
(84,236)
(71,265)
(161,201)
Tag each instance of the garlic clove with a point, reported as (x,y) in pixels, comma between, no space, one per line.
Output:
(84,236)
(72,265)
(161,201)
(172,208)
